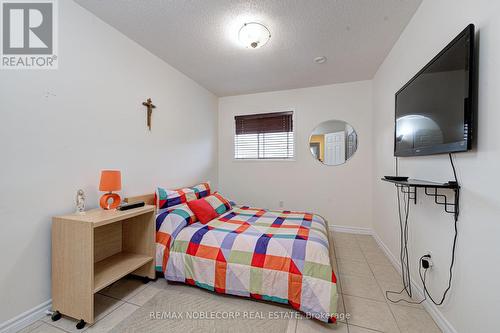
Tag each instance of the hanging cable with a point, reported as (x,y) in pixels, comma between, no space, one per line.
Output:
(403,254)
(452,263)
(405,269)
(403,246)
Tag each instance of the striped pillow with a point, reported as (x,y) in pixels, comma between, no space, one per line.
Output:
(169,198)
(202,190)
(166,199)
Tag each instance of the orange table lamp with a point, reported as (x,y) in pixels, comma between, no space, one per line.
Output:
(111,180)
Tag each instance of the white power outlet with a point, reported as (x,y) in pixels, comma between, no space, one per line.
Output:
(281,204)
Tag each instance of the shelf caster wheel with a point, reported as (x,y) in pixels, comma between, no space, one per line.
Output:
(81,324)
(56,315)
(145,279)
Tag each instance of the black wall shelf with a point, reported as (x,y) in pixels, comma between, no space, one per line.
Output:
(431,189)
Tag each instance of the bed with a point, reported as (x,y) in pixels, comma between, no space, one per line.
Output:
(278,256)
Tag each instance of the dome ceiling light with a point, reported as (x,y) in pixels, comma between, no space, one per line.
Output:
(254,35)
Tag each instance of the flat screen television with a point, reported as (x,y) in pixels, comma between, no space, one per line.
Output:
(434,110)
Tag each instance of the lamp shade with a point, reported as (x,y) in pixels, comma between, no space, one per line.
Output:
(111,180)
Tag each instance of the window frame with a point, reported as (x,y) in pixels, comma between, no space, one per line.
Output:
(294,141)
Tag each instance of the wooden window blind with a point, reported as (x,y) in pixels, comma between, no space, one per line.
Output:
(264,136)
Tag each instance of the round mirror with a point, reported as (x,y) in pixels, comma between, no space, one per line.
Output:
(333,142)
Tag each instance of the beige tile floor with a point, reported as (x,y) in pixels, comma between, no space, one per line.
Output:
(364,274)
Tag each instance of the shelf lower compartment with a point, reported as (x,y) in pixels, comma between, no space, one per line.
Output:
(115,267)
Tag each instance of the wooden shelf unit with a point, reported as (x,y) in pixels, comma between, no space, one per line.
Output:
(93,250)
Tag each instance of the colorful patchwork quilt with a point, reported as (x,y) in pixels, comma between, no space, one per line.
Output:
(280,256)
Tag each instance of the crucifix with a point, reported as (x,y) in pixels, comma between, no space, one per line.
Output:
(150,106)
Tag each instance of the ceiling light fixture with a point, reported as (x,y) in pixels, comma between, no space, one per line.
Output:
(320,60)
(254,35)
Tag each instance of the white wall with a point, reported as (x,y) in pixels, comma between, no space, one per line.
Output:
(342,194)
(92,119)
(473,301)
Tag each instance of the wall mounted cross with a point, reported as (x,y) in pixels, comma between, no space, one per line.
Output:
(150,106)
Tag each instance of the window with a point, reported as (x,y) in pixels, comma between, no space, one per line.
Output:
(264,136)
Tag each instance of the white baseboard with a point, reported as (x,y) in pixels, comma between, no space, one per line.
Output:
(24,319)
(351,230)
(431,308)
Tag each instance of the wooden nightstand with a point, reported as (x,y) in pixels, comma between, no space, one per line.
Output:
(91,251)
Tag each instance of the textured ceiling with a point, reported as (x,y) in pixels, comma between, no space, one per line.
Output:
(199,38)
